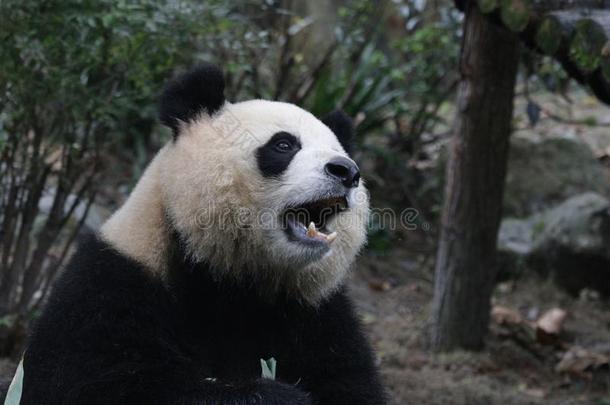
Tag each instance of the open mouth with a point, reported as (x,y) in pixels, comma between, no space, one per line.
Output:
(306,223)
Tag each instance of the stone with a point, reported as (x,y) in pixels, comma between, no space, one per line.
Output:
(570,242)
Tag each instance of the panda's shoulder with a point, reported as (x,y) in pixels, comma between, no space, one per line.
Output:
(97,263)
(100,280)
(103,305)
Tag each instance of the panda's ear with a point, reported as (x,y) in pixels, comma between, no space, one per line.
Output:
(188,95)
(341,124)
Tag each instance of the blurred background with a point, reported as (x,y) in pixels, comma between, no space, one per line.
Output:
(79,81)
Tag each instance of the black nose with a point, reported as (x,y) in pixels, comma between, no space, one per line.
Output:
(345,170)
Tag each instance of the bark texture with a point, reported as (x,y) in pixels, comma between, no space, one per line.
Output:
(475,184)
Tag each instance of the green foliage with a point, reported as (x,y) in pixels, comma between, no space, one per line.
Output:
(487,6)
(548,37)
(103,62)
(98,62)
(379,240)
(549,72)
(515,14)
(427,72)
(395,86)
(364,90)
(410,79)
(587,44)
(79,81)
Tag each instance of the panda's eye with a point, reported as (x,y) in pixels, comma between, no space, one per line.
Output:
(283,146)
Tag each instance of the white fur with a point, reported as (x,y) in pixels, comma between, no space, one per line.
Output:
(209,185)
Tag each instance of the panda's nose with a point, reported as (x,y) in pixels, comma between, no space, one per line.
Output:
(343,170)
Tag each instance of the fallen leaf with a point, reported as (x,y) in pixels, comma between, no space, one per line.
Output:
(503,315)
(578,361)
(535,392)
(552,321)
(414,287)
(380,285)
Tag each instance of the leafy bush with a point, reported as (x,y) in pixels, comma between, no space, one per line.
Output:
(78,78)
(78,86)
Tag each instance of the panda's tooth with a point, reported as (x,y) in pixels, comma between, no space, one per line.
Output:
(311,230)
(331,237)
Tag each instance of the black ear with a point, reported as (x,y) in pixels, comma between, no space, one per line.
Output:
(185,97)
(341,124)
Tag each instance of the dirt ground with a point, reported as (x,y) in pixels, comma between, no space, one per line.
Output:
(396,309)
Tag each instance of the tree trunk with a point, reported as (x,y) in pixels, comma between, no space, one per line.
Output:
(475,184)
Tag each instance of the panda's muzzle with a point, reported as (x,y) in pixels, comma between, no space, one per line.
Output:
(306,223)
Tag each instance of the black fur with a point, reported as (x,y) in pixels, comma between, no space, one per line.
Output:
(185,97)
(272,161)
(113,334)
(341,124)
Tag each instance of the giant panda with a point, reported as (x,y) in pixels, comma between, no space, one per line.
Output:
(232,249)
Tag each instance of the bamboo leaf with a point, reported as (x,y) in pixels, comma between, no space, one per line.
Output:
(268,368)
(13,396)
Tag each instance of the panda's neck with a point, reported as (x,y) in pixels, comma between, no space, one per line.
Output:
(139,228)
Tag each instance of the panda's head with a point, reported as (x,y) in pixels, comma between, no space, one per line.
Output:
(261,188)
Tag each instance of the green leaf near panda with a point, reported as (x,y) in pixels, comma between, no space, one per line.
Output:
(268,368)
(13,396)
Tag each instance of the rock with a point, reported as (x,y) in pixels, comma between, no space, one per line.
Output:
(580,225)
(516,236)
(542,174)
(515,243)
(571,242)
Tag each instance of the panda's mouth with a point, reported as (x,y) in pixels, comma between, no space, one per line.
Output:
(307,223)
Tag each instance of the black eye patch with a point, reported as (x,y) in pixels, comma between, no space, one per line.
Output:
(274,157)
